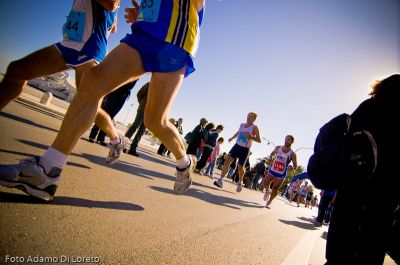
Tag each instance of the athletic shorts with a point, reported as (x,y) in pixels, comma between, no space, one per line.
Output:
(239,152)
(74,58)
(157,55)
(276,175)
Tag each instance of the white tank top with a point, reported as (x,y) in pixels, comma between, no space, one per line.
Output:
(242,140)
(281,161)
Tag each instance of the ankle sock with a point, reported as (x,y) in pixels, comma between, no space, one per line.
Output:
(184,162)
(52,158)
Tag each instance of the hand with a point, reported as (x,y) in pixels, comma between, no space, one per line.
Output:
(131,12)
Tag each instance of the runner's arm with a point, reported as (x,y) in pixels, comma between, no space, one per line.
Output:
(234,136)
(294,160)
(131,12)
(110,5)
(256,135)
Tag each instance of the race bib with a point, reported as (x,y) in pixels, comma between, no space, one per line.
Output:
(149,10)
(278,166)
(74,27)
(242,138)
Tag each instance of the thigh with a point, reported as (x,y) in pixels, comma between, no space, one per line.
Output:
(277,183)
(161,93)
(79,70)
(43,62)
(122,65)
(268,178)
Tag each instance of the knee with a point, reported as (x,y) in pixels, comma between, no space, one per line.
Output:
(90,84)
(15,74)
(154,124)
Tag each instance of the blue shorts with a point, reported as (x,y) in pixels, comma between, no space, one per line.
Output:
(74,58)
(240,152)
(157,55)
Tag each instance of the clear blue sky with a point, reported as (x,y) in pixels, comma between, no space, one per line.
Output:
(295,63)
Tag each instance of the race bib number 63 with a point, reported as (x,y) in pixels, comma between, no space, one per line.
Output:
(149,10)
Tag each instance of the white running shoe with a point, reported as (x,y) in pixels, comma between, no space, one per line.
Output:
(116,150)
(267,194)
(183,178)
(219,183)
(268,205)
(29,177)
(239,187)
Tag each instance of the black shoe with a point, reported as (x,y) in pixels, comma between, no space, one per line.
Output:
(102,143)
(91,140)
(133,152)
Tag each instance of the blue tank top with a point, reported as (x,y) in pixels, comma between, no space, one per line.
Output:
(87,28)
(173,21)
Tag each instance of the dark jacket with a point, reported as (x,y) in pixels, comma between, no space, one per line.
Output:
(211,138)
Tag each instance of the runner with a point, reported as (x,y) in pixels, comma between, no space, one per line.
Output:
(301,195)
(294,188)
(84,45)
(247,133)
(282,156)
(164,41)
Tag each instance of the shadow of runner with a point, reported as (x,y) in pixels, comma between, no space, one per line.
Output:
(307,225)
(149,156)
(211,198)
(32,155)
(123,166)
(26,121)
(69,201)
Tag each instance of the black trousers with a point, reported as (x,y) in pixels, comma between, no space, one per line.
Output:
(112,104)
(204,157)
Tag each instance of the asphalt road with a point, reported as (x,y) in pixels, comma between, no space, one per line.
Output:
(128,213)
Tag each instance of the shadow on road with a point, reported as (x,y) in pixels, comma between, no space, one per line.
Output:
(70,201)
(32,155)
(26,121)
(310,220)
(123,166)
(211,198)
(299,224)
(149,156)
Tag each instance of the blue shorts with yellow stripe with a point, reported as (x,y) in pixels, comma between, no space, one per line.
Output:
(158,55)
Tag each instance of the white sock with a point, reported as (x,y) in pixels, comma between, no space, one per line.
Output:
(52,158)
(184,162)
(115,141)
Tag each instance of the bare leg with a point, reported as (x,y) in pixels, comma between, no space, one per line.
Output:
(162,91)
(122,65)
(103,120)
(43,62)
(275,188)
(225,168)
(267,181)
(241,173)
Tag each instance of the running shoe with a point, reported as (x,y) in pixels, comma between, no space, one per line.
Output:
(116,150)
(219,183)
(268,205)
(317,224)
(29,177)
(183,178)
(239,187)
(267,194)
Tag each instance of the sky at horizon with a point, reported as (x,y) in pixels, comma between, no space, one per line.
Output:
(295,63)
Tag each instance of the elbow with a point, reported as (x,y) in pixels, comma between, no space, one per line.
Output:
(111,6)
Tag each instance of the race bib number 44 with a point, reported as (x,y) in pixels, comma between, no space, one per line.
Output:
(149,10)
(74,27)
